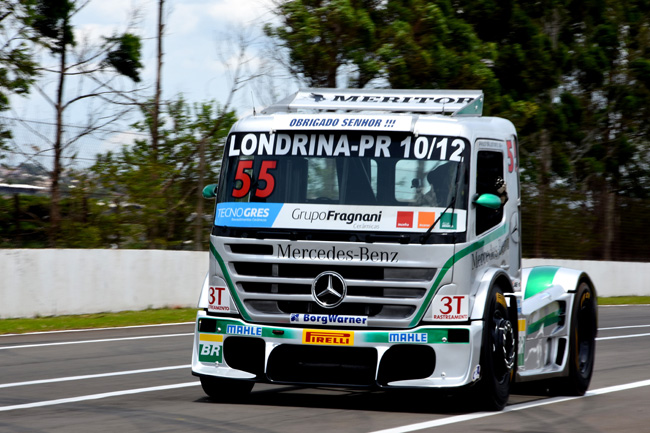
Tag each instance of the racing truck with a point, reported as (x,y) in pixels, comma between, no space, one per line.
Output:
(372,239)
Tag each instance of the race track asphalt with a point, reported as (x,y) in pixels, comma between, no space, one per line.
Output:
(138,380)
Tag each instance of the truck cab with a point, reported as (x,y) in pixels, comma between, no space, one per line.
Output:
(371,238)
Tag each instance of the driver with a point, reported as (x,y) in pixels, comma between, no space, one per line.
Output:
(441,181)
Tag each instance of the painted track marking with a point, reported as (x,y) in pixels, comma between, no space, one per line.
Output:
(402,429)
(513,408)
(619,337)
(102,340)
(624,327)
(97,396)
(94,376)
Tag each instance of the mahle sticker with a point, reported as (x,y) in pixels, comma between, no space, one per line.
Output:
(407,337)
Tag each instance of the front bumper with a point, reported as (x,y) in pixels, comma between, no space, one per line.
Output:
(423,357)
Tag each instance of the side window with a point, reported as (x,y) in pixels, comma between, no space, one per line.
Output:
(489,180)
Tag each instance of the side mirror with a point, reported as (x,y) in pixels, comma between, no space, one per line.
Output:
(489,201)
(210,191)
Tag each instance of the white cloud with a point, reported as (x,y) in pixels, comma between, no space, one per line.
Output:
(243,12)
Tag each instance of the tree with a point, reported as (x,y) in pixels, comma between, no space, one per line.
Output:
(121,56)
(154,200)
(572,75)
(17,69)
(322,36)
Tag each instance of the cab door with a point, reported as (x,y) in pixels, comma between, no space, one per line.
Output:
(496,229)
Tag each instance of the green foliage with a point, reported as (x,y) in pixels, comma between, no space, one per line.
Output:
(23,221)
(323,35)
(572,75)
(52,22)
(17,67)
(149,199)
(125,58)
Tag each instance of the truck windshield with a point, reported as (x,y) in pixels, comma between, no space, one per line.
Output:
(354,171)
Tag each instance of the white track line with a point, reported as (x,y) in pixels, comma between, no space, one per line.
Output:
(94,376)
(402,429)
(103,340)
(624,327)
(97,396)
(618,337)
(513,408)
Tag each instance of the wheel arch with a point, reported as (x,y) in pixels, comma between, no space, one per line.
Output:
(555,281)
(491,277)
(539,278)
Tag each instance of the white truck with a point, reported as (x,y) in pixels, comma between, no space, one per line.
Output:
(371,238)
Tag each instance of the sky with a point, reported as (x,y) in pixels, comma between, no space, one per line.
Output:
(199,35)
(196,32)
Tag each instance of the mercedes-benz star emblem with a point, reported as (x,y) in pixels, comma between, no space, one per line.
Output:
(329,289)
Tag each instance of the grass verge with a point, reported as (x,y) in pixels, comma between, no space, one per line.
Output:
(99,320)
(166,315)
(624,300)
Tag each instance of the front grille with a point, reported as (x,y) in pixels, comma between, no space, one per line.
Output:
(292,270)
(351,366)
(272,286)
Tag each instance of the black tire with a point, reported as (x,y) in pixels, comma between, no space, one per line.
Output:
(220,389)
(498,354)
(582,344)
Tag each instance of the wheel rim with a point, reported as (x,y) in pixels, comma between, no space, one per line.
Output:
(503,346)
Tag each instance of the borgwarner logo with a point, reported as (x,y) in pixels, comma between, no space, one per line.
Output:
(329,289)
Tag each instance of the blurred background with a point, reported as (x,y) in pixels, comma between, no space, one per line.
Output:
(109,130)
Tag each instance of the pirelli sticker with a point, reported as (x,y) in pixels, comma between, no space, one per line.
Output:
(329,338)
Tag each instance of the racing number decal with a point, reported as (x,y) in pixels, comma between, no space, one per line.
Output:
(267,178)
(246,180)
(450,308)
(425,146)
(512,165)
(244,177)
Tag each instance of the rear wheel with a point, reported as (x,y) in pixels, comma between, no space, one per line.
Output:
(222,389)
(582,344)
(497,354)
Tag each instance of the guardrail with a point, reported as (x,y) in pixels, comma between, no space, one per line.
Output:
(46,282)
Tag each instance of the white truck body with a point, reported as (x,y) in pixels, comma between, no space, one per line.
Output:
(331,263)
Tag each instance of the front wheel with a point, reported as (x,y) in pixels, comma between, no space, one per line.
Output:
(497,354)
(582,344)
(221,389)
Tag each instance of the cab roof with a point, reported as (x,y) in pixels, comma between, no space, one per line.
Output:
(454,102)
